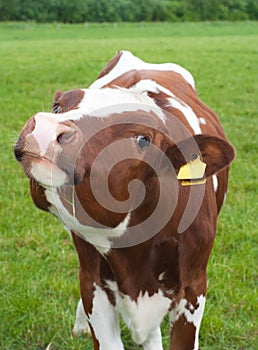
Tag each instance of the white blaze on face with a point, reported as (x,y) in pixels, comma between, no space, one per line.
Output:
(45,131)
(42,142)
(105,102)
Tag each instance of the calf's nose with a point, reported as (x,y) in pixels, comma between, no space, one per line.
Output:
(18,152)
(43,133)
(19,146)
(48,131)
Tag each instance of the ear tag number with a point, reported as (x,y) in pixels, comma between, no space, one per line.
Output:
(192,173)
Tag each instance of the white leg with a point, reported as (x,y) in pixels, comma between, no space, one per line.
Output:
(154,341)
(81,325)
(105,322)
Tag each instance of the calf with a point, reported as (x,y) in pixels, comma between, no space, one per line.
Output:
(136,167)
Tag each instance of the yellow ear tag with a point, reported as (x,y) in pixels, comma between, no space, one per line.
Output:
(192,173)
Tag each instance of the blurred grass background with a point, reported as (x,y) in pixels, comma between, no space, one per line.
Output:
(38,264)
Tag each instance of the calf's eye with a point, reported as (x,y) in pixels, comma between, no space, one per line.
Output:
(142,141)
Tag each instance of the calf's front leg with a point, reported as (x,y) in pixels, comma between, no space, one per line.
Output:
(104,322)
(81,325)
(101,314)
(185,323)
(154,342)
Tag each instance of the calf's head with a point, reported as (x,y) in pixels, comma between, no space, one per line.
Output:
(113,148)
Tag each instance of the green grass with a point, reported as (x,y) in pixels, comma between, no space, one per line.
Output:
(38,265)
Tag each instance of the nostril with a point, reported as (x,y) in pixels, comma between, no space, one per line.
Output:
(66,137)
(18,154)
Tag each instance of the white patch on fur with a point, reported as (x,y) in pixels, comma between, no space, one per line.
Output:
(99,237)
(144,316)
(188,113)
(48,173)
(129,62)
(149,85)
(175,102)
(105,322)
(202,121)
(192,315)
(161,276)
(215,182)
(154,342)
(81,325)
(45,131)
(94,100)
(105,102)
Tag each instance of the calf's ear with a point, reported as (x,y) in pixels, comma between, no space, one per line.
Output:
(56,107)
(200,156)
(66,101)
(57,95)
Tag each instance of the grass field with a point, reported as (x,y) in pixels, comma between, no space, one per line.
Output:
(38,264)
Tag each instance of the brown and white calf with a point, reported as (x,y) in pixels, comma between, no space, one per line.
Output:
(136,167)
